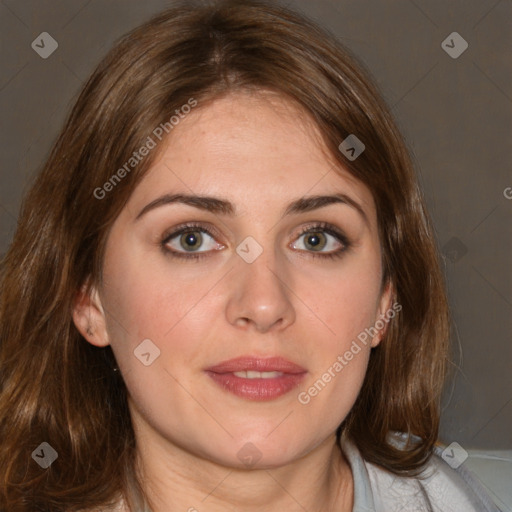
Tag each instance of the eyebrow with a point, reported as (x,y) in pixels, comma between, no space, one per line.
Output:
(221,206)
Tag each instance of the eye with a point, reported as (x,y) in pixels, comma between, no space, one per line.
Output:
(324,240)
(187,241)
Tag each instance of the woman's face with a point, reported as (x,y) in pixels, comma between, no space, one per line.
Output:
(265,269)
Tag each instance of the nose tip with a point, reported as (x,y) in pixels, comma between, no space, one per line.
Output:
(263,321)
(259,298)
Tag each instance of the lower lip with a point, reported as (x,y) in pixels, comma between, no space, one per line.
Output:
(258,389)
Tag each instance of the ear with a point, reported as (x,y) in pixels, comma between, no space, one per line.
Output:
(89,317)
(383,317)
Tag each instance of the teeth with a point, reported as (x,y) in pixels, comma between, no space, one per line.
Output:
(257,375)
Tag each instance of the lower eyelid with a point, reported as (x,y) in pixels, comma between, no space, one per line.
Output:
(176,237)
(340,238)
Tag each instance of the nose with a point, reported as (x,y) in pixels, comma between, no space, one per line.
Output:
(259,298)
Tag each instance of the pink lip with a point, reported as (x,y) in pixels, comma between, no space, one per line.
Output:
(257,389)
(257,364)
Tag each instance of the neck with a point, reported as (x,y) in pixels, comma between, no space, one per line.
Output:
(176,480)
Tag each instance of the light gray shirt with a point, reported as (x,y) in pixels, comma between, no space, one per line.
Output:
(439,488)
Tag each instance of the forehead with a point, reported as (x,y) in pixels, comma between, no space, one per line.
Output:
(257,150)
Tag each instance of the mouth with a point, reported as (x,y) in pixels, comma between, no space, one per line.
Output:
(258,379)
(257,375)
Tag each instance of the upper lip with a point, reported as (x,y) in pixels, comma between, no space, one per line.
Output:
(258,364)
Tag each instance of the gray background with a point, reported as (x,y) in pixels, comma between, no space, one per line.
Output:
(456,115)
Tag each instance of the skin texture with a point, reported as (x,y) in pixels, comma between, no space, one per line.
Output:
(259,152)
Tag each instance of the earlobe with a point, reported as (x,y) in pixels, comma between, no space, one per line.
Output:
(383,316)
(89,317)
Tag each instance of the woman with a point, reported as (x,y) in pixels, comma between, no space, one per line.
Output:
(224,291)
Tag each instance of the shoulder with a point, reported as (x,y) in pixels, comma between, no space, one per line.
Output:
(439,487)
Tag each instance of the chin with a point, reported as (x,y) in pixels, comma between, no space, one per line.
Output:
(262,452)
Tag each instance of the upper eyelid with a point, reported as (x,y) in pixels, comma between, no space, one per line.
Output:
(178,230)
(210,230)
(340,237)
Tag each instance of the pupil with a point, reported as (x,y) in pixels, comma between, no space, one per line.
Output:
(315,241)
(190,241)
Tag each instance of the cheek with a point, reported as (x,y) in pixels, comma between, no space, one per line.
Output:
(347,301)
(339,357)
(146,301)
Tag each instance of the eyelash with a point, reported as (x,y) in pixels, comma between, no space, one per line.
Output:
(316,227)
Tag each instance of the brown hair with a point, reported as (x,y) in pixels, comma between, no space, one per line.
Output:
(57,388)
